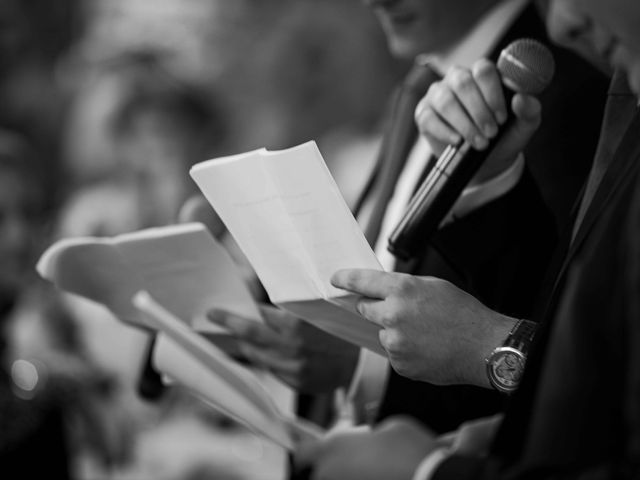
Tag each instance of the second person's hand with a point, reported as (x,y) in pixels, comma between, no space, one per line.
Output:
(304,357)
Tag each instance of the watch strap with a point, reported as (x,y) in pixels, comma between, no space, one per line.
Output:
(521,335)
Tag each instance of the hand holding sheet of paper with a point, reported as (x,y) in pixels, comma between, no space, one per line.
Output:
(304,357)
(190,360)
(287,215)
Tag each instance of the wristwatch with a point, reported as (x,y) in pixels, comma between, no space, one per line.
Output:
(506,363)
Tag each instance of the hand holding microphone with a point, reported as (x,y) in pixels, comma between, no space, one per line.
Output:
(486,115)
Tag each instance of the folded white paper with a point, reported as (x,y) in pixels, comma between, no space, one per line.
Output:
(182,266)
(287,215)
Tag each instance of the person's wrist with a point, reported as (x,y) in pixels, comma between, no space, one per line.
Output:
(506,363)
(496,330)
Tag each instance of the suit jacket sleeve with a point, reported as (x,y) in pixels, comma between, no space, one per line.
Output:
(459,467)
(585,421)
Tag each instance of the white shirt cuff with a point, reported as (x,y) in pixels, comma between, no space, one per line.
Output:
(367,385)
(356,378)
(430,464)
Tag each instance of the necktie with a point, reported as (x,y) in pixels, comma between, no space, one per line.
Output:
(619,110)
(396,144)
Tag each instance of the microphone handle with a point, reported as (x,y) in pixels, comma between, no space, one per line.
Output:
(438,193)
(150,384)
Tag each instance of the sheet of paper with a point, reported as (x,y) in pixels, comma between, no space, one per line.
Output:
(244,196)
(190,360)
(183,266)
(337,320)
(188,272)
(93,268)
(331,236)
(173,360)
(288,216)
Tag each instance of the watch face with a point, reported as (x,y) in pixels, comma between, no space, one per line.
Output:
(505,369)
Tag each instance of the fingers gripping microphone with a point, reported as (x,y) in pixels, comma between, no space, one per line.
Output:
(526,66)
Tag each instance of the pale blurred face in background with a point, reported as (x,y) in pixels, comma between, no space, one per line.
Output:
(610,27)
(567,27)
(413,27)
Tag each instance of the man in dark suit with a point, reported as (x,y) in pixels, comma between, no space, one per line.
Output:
(500,250)
(577,411)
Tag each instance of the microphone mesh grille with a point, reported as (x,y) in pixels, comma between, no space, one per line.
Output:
(526,66)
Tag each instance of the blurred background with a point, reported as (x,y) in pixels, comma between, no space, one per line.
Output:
(105,105)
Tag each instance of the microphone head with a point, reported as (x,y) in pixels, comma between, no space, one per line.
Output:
(526,66)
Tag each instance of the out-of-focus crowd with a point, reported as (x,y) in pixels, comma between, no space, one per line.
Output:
(105,105)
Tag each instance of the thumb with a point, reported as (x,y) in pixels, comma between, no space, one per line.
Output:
(527,112)
(218,316)
(197,209)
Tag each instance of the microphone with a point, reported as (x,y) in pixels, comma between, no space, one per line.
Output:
(150,386)
(525,66)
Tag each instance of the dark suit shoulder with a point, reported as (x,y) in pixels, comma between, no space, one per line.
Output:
(578,407)
(561,152)
(500,252)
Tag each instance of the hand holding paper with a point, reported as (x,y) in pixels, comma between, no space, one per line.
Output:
(301,355)
(207,371)
(289,218)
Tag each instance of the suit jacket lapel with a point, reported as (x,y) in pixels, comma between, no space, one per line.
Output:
(396,145)
(626,160)
(391,159)
(622,165)
(374,178)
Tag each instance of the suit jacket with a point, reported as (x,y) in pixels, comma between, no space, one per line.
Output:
(577,412)
(514,236)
